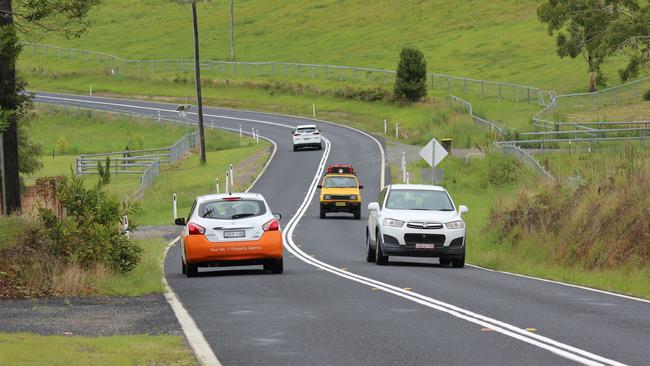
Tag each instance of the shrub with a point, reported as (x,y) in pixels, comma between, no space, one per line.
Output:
(503,169)
(104,172)
(90,232)
(411,79)
(62,145)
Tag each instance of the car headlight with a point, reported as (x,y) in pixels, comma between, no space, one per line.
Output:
(460,224)
(393,223)
(354,197)
(328,197)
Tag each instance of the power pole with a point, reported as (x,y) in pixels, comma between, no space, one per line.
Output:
(197,75)
(232,30)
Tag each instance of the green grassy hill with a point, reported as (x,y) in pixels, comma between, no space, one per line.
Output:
(497,40)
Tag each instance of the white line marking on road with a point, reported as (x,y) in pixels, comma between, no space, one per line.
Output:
(195,338)
(627,297)
(560,349)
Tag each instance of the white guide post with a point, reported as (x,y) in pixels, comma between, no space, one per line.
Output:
(174,206)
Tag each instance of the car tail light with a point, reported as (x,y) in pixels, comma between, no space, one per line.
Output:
(296,134)
(272,225)
(195,229)
(231,198)
(315,133)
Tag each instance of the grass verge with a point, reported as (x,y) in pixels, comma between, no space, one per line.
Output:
(18,349)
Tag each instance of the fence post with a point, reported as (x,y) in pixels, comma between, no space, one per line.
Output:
(500,85)
(312,71)
(273,69)
(448,85)
(432,82)
(528,97)
(482,89)
(465,85)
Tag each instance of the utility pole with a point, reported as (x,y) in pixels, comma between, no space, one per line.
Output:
(197,75)
(232,30)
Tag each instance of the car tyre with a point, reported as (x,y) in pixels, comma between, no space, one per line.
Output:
(357,213)
(183,266)
(380,258)
(445,261)
(458,262)
(276,266)
(320,147)
(192,270)
(295,148)
(370,253)
(323,213)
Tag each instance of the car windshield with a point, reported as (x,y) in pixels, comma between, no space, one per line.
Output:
(412,199)
(340,182)
(306,130)
(231,210)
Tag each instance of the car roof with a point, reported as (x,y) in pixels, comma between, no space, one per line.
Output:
(307,126)
(422,187)
(219,196)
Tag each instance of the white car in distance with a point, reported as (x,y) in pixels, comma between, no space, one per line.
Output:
(306,136)
(417,221)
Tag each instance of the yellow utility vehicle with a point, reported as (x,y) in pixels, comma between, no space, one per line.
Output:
(340,191)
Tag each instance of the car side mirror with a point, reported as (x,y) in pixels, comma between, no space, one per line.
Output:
(277,216)
(462,209)
(373,206)
(320,186)
(360,186)
(180,221)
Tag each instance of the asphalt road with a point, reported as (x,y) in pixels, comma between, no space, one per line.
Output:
(330,307)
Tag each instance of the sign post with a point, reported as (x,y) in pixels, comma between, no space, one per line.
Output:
(433,153)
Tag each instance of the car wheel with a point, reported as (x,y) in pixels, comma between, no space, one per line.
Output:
(380,258)
(276,266)
(445,261)
(183,266)
(320,147)
(357,213)
(458,262)
(295,148)
(370,253)
(323,213)
(192,270)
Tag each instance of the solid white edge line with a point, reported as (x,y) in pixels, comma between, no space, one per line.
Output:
(555,347)
(202,350)
(371,282)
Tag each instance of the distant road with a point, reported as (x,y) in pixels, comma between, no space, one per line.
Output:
(331,307)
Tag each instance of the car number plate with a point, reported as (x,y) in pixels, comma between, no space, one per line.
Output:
(340,203)
(424,246)
(234,234)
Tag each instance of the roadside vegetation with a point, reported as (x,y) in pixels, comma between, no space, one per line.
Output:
(18,349)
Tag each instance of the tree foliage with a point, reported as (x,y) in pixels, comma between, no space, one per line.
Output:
(583,29)
(411,78)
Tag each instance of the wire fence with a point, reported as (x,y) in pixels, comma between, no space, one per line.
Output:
(495,128)
(116,66)
(529,160)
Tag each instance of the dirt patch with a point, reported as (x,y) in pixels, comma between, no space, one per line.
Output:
(90,316)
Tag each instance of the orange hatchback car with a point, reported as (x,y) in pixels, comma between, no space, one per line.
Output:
(235,229)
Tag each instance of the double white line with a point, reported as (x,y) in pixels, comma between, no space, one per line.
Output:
(560,349)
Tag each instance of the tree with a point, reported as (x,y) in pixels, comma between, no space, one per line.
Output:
(582,27)
(630,36)
(67,16)
(411,79)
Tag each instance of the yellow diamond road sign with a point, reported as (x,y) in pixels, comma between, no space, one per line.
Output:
(433,153)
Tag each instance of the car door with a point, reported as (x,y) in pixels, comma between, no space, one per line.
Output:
(373,216)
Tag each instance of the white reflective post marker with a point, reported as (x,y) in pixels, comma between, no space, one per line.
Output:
(385,126)
(232,176)
(396,130)
(408,178)
(240,131)
(174,206)
(227,180)
(217,182)
(313,110)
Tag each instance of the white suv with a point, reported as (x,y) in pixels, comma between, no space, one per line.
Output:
(417,221)
(306,136)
